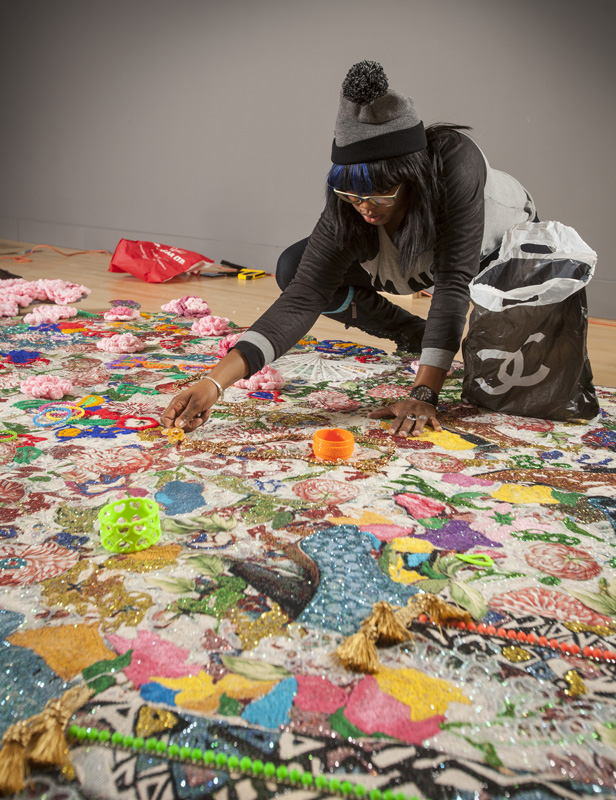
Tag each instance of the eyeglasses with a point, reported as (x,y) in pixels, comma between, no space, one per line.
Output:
(375,200)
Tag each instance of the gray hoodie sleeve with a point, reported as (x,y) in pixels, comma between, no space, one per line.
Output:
(292,315)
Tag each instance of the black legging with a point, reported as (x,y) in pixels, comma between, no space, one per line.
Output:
(288,264)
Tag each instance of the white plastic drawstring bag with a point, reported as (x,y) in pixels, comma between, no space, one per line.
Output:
(525,352)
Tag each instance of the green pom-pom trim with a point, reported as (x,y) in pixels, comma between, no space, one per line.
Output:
(255,766)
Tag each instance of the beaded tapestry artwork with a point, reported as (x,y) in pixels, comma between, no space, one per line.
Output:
(211,655)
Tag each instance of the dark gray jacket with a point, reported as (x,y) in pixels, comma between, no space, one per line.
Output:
(482,203)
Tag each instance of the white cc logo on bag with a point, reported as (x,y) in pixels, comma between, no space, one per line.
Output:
(511,377)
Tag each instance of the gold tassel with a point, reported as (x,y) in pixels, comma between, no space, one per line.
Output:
(12,758)
(386,626)
(47,745)
(389,629)
(434,607)
(358,652)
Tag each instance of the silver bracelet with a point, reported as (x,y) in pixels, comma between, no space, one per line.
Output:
(220,391)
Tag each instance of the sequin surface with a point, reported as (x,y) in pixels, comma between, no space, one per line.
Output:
(222,636)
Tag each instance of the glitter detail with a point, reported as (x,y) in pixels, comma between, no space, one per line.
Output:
(516,654)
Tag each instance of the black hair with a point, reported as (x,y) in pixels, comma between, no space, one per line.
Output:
(420,172)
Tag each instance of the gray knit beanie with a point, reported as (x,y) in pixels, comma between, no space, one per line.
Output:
(374,122)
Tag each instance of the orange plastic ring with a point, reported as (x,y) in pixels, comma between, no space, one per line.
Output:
(333,444)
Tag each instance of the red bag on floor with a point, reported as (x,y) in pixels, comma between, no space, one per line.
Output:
(153,262)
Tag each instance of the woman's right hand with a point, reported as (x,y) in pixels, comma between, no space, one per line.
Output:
(191,408)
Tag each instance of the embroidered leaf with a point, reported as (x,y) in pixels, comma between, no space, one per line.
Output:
(173,585)
(212,566)
(16,427)
(108,665)
(25,455)
(469,598)
(27,405)
(570,525)
(254,670)
(448,565)
(604,604)
(431,586)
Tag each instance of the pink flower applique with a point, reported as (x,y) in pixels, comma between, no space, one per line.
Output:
(227,343)
(210,326)
(8,308)
(419,506)
(121,313)
(547,603)
(187,306)
(47,314)
(387,391)
(267,379)
(332,400)
(121,343)
(46,386)
(562,561)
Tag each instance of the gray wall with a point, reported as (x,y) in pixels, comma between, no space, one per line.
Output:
(207,123)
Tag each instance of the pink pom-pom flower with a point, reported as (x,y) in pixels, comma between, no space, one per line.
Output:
(42,314)
(210,326)
(121,343)
(8,308)
(47,386)
(187,306)
(267,379)
(227,343)
(60,291)
(121,313)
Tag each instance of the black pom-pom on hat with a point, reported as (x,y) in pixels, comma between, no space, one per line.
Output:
(365,82)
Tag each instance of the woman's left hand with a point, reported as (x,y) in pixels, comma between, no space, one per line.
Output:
(411,416)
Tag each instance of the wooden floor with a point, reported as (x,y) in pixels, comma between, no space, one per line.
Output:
(240,301)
